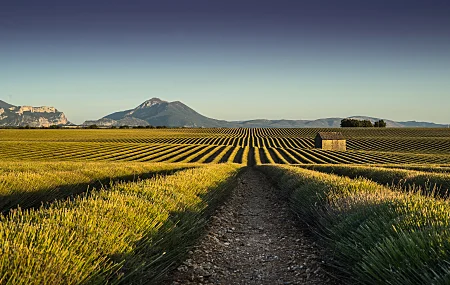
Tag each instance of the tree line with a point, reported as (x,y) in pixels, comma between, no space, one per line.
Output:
(353,123)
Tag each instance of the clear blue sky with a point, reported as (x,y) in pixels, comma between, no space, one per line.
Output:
(233,60)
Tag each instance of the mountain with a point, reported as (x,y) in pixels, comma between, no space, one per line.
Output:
(16,116)
(414,124)
(5,105)
(156,112)
(329,123)
(320,123)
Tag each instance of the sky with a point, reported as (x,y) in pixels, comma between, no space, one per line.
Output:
(231,60)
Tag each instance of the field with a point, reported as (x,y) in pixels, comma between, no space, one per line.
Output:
(243,146)
(143,225)
(375,234)
(125,206)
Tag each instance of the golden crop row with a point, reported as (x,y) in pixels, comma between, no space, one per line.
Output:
(432,182)
(374,235)
(131,232)
(204,153)
(104,134)
(31,183)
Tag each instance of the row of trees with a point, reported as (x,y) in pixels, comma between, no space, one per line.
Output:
(353,123)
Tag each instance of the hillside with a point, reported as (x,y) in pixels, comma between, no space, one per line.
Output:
(157,112)
(16,116)
(5,105)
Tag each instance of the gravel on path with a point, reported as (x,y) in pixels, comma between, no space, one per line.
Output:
(253,239)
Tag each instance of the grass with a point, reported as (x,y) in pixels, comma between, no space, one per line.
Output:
(374,235)
(425,168)
(29,184)
(130,233)
(435,183)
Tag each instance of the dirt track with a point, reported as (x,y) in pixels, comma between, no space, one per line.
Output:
(253,239)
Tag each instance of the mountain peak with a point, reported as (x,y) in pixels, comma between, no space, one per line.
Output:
(151,102)
(5,105)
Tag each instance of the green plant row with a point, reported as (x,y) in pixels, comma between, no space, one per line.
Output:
(29,184)
(130,233)
(443,168)
(427,182)
(373,235)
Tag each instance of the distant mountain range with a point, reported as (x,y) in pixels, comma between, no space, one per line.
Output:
(157,112)
(16,116)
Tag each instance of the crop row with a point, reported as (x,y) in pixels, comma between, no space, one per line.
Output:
(29,184)
(317,156)
(131,233)
(86,135)
(438,168)
(429,183)
(401,145)
(374,235)
(206,154)
(123,152)
(393,140)
(432,145)
(348,132)
(251,141)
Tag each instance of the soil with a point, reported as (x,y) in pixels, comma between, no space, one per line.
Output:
(253,239)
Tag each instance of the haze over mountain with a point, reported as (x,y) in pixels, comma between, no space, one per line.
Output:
(16,116)
(156,112)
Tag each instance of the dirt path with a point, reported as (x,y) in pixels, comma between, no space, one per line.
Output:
(253,239)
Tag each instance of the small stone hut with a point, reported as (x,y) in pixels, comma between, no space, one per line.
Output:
(330,141)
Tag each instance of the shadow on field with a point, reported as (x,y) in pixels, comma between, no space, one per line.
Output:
(159,252)
(251,157)
(28,200)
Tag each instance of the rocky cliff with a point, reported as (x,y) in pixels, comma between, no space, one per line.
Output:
(16,116)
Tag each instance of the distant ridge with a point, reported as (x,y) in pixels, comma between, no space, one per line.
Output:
(157,112)
(21,116)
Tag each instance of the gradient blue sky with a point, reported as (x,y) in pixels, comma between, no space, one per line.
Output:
(232,60)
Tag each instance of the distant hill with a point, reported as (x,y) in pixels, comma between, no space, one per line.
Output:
(5,105)
(157,112)
(331,123)
(16,116)
(414,124)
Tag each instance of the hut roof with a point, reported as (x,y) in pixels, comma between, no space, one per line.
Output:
(331,135)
